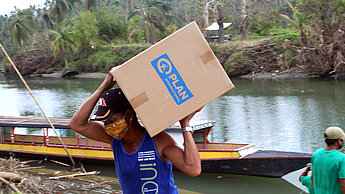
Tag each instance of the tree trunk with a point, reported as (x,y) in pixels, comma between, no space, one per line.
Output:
(129,39)
(129,5)
(152,34)
(244,29)
(215,12)
(66,62)
(205,16)
(220,22)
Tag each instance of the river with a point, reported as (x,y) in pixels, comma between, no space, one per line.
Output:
(289,115)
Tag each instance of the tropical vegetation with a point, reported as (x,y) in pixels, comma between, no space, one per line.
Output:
(303,33)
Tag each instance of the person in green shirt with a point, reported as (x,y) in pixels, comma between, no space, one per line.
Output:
(328,171)
(306,180)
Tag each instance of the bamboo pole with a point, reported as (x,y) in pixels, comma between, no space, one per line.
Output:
(28,88)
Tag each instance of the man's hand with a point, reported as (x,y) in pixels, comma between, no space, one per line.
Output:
(185,121)
(109,81)
(308,166)
(305,172)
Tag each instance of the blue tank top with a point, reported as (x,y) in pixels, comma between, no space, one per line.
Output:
(143,171)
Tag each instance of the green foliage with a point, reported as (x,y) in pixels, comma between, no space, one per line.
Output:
(60,9)
(111,25)
(155,14)
(286,34)
(299,20)
(236,60)
(106,57)
(135,23)
(169,29)
(339,6)
(64,38)
(23,25)
(73,65)
(85,28)
(265,23)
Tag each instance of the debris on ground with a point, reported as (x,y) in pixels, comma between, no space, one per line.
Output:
(18,177)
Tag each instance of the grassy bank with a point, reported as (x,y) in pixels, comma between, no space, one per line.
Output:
(103,58)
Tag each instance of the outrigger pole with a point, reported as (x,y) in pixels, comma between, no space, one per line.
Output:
(27,87)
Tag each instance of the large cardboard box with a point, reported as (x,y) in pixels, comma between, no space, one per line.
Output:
(172,79)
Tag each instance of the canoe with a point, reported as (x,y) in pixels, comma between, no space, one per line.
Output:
(230,158)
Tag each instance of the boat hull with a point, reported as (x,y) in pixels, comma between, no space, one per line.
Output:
(269,164)
(262,163)
(216,157)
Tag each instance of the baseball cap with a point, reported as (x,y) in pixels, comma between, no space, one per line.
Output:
(334,133)
(111,101)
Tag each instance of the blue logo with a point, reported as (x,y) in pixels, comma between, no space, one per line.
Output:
(172,79)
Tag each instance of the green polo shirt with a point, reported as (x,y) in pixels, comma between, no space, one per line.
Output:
(306,181)
(328,168)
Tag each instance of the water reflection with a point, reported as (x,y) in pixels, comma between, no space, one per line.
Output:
(273,114)
(285,115)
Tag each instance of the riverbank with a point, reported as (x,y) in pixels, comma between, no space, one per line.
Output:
(268,58)
(293,73)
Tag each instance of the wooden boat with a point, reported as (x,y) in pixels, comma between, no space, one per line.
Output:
(216,157)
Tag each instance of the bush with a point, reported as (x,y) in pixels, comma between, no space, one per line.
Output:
(106,57)
(238,60)
(111,25)
(285,34)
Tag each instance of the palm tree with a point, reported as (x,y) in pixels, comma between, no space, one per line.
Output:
(23,26)
(47,20)
(64,40)
(154,13)
(61,8)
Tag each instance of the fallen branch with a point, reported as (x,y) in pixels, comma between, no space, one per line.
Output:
(105,182)
(57,162)
(75,175)
(29,161)
(11,185)
(31,168)
(10,176)
(82,167)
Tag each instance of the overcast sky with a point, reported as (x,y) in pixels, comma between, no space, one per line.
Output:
(6,6)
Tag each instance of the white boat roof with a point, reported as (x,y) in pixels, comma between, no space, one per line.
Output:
(215,26)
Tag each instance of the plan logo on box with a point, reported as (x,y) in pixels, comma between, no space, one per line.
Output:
(172,79)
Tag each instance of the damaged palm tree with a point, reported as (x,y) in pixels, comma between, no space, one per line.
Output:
(64,40)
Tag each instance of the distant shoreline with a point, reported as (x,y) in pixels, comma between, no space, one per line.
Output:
(92,75)
(287,74)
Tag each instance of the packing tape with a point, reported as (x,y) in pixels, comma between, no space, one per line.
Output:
(207,57)
(139,100)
